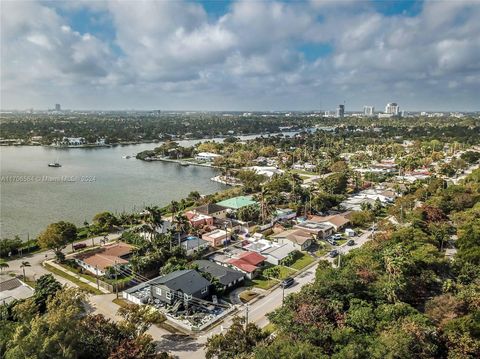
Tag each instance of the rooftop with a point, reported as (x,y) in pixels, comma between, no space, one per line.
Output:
(209,209)
(224,275)
(237,202)
(106,256)
(188,281)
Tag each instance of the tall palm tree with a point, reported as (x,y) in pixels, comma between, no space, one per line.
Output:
(3,265)
(152,219)
(23,265)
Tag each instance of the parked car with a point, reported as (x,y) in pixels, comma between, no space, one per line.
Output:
(333,253)
(287,282)
(78,246)
(351,242)
(337,236)
(331,241)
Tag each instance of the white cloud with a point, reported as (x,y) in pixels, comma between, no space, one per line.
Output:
(171,54)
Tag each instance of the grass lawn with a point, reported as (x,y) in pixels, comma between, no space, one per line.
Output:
(247,296)
(341,241)
(120,302)
(285,272)
(80,284)
(324,250)
(264,283)
(269,328)
(302,262)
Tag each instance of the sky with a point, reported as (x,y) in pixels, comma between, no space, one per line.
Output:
(240,55)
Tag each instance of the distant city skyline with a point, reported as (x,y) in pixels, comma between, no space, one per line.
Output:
(201,55)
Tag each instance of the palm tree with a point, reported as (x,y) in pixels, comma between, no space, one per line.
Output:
(152,219)
(23,265)
(3,265)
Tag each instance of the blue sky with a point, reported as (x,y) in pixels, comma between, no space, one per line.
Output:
(240,55)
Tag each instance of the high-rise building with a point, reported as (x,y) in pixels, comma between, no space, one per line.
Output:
(368,110)
(392,109)
(58,107)
(340,111)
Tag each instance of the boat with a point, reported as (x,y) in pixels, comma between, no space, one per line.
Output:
(184,164)
(126,157)
(54,164)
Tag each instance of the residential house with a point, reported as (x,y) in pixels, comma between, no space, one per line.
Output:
(237,202)
(206,156)
(199,220)
(248,263)
(226,276)
(319,230)
(338,221)
(212,210)
(193,244)
(275,254)
(299,238)
(217,237)
(98,261)
(180,285)
(13,289)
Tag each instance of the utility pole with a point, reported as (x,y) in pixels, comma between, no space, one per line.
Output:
(283,294)
(339,258)
(116,282)
(246,316)
(96,275)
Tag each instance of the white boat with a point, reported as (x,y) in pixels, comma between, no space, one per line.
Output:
(54,164)
(126,157)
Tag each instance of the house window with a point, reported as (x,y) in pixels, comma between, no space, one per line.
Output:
(204,290)
(158,291)
(168,295)
(186,296)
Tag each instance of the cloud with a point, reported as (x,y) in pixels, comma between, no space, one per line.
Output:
(172,54)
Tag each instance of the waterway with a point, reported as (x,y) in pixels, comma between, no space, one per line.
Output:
(91,180)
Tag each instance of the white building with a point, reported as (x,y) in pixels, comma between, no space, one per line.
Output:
(368,110)
(392,109)
(206,156)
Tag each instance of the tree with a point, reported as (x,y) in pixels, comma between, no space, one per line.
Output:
(23,265)
(238,340)
(46,287)
(138,318)
(105,220)
(54,334)
(272,272)
(3,265)
(57,236)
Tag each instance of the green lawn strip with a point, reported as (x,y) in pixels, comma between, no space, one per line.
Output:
(302,261)
(285,272)
(120,302)
(269,328)
(341,241)
(79,283)
(264,283)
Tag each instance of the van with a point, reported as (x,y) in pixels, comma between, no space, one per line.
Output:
(287,282)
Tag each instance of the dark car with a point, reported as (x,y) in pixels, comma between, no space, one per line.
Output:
(78,246)
(351,242)
(333,253)
(287,282)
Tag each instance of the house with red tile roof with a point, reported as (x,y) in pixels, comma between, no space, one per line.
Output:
(99,260)
(248,263)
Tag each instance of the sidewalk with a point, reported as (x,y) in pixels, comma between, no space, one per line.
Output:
(80,278)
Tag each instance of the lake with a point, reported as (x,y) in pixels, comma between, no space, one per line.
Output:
(89,181)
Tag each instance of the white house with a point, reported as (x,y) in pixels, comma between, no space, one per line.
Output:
(206,156)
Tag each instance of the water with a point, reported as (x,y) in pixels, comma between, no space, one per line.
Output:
(95,180)
(91,180)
